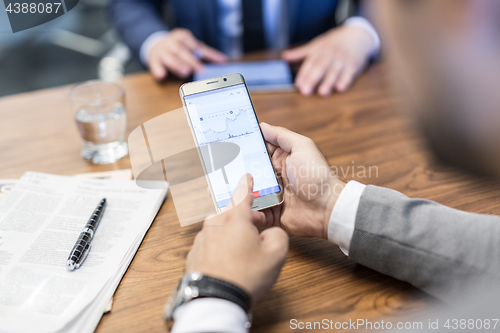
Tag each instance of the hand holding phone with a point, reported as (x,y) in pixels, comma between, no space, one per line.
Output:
(312,187)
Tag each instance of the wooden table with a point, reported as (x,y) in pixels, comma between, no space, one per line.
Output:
(361,128)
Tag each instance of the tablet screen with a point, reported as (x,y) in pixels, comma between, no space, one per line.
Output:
(259,75)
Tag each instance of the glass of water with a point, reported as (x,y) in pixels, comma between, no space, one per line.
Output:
(101,119)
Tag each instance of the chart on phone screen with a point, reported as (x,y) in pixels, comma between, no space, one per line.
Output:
(227,115)
(227,124)
(224,114)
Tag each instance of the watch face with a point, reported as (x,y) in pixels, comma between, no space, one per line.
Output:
(178,297)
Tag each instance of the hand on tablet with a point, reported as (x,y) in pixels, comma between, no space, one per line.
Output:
(311,188)
(229,247)
(180,52)
(332,60)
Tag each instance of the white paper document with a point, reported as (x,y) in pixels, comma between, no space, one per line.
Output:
(40,219)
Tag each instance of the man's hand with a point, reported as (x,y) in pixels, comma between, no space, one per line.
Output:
(332,60)
(311,188)
(180,53)
(229,247)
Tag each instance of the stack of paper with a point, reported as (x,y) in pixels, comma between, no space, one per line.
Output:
(40,219)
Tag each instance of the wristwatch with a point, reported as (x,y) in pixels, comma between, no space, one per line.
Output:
(196,285)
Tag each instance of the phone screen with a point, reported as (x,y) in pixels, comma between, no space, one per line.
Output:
(227,115)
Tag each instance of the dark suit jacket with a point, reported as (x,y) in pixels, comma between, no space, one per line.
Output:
(135,20)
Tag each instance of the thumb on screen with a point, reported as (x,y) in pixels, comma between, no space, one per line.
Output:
(243,192)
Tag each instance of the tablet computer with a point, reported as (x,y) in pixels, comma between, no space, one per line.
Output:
(260,76)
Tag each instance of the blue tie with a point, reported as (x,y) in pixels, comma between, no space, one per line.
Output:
(253,27)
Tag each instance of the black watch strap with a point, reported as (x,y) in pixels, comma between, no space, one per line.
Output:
(211,287)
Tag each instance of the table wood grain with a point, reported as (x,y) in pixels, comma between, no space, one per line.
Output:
(363,128)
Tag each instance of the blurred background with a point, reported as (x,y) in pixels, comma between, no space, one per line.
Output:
(78,46)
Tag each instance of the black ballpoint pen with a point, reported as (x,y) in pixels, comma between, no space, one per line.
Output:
(84,242)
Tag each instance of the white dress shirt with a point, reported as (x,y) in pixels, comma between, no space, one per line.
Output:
(218,315)
(210,315)
(343,218)
(230,24)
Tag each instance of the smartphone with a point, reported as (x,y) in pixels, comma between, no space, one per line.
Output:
(219,109)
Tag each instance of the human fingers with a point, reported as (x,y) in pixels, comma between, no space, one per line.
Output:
(303,80)
(275,241)
(188,57)
(346,78)
(314,71)
(243,192)
(211,54)
(264,219)
(330,79)
(282,137)
(186,37)
(296,54)
(258,218)
(271,148)
(176,65)
(213,220)
(157,69)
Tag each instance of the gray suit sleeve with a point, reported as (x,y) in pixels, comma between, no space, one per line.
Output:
(445,252)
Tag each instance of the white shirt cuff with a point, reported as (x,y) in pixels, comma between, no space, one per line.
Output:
(361,22)
(210,315)
(148,45)
(343,218)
